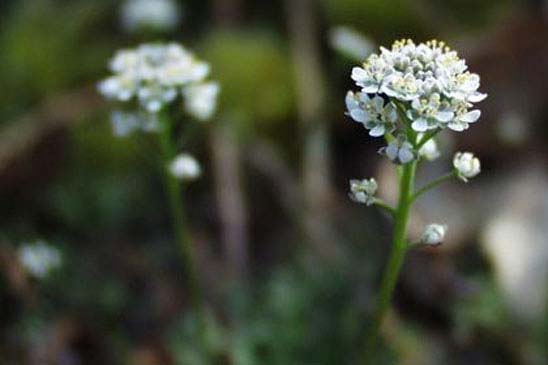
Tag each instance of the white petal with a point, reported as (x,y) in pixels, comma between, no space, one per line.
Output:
(420,125)
(370,87)
(359,74)
(405,155)
(445,116)
(470,117)
(457,126)
(377,131)
(392,151)
(351,101)
(476,97)
(359,115)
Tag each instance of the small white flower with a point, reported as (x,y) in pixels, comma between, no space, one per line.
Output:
(371,112)
(125,123)
(156,14)
(370,78)
(399,151)
(466,165)
(121,88)
(463,117)
(405,87)
(201,99)
(433,234)
(39,258)
(363,191)
(185,167)
(350,42)
(430,150)
(428,113)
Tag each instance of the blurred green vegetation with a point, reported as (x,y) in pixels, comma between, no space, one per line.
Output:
(100,201)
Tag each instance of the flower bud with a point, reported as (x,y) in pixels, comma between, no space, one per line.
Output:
(399,151)
(430,150)
(433,234)
(363,191)
(185,167)
(466,165)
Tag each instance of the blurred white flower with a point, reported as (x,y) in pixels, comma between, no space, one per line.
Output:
(125,123)
(433,234)
(428,81)
(399,151)
(350,42)
(201,99)
(39,258)
(156,75)
(155,14)
(363,191)
(466,165)
(185,167)
(371,112)
(430,150)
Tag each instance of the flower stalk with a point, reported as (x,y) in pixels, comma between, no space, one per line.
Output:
(408,94)
(173,190)
(399,248)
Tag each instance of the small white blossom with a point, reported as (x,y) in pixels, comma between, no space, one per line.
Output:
(350,42)
(430,150)
(125,123)
(433,234)
(185,167)
(39,258)
(371,112)
(201,99)
(466,165)
(428,81)
(156,75)
(155,14)
(363,191)
(399,151)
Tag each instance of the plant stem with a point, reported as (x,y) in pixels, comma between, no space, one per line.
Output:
(175,198)
(387,208)
(432,185)
(399,248)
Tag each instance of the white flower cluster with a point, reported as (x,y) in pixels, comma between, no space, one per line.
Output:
(39,258)
(156,75)
(363,191)
(185,167)
(155,14)
(428,83)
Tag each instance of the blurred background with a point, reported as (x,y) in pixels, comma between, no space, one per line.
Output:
(89,273)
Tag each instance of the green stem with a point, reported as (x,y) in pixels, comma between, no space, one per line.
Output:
(387,208)
(175,198)
(399,248)
(426,137)
(432,185)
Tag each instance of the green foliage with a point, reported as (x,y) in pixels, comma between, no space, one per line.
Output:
(385,20)
(298,316)
(47,45)
(255,75)
(483,310)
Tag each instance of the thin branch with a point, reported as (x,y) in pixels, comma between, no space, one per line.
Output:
(431,185)
(384,206)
